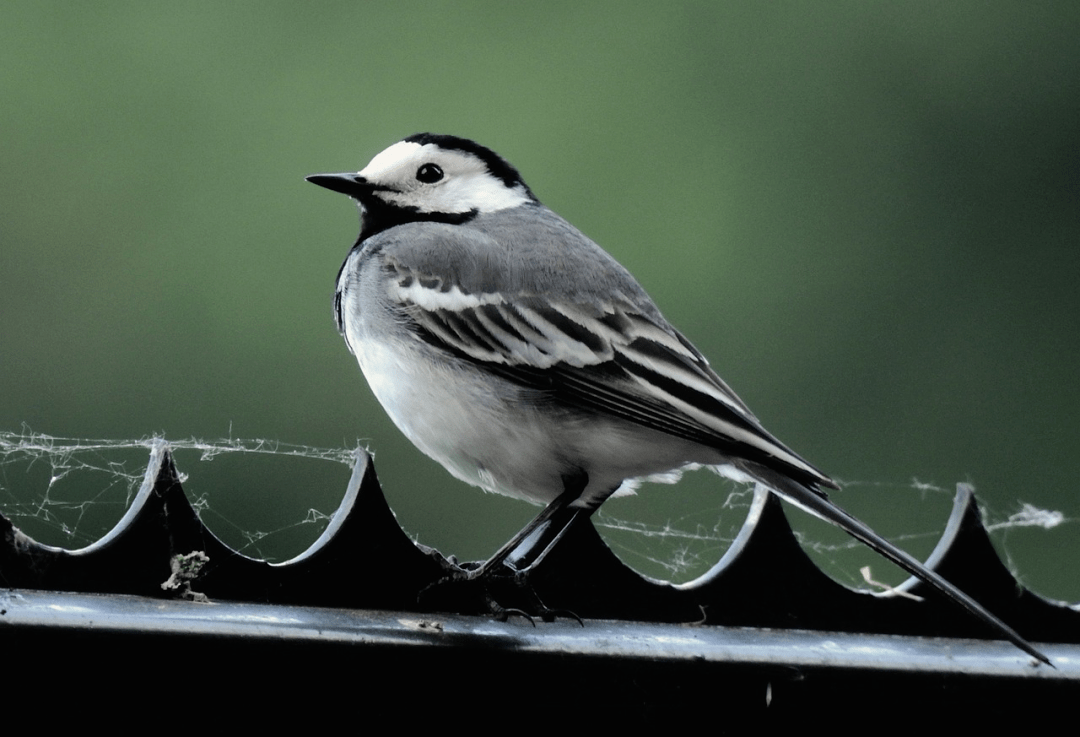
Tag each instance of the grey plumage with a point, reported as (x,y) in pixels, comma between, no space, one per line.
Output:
(520,355)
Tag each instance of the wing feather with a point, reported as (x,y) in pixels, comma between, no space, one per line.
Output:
(610,358)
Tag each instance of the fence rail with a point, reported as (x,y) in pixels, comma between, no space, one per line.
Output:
(764,621)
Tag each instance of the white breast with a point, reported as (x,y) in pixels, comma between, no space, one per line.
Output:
(487,431)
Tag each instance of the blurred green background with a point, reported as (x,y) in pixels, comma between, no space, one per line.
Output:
(865,214)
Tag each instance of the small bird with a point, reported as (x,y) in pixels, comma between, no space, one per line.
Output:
(513,350)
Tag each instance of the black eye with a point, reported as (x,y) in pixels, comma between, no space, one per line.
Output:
(429,173)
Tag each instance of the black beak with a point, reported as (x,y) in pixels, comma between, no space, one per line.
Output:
(353,185)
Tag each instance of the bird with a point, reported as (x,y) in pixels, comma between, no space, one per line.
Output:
(521,356)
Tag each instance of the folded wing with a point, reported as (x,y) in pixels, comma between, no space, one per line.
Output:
(609,357)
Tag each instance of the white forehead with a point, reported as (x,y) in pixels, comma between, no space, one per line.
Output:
(405,156)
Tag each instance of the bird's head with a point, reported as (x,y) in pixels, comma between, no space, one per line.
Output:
(430,177)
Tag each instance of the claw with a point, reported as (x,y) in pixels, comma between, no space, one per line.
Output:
(503,614)
(477,590)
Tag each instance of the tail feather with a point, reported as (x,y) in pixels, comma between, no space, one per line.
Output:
(819,505)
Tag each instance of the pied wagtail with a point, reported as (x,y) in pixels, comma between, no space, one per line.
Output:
(521,356)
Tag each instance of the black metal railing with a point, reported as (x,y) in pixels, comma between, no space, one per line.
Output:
(764,607)
(365,560)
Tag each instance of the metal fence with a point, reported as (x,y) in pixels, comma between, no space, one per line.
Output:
(765,622)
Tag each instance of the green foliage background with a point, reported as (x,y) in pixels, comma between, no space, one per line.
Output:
(865,214)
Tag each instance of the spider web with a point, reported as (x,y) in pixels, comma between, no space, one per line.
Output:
(686,546)
(70,492)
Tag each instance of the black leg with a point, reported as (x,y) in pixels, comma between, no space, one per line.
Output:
(529,546)
(508,569)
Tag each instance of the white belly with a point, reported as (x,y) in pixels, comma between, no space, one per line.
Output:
(495,435)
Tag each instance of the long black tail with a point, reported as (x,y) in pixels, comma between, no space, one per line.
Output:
(819,505)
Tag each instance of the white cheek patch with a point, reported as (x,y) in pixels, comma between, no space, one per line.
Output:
(481,192)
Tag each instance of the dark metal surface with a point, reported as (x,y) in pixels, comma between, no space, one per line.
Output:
(135,616)
(364,560)
(271,665)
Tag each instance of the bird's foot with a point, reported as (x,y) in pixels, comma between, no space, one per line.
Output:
(516,588)
(498,591)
